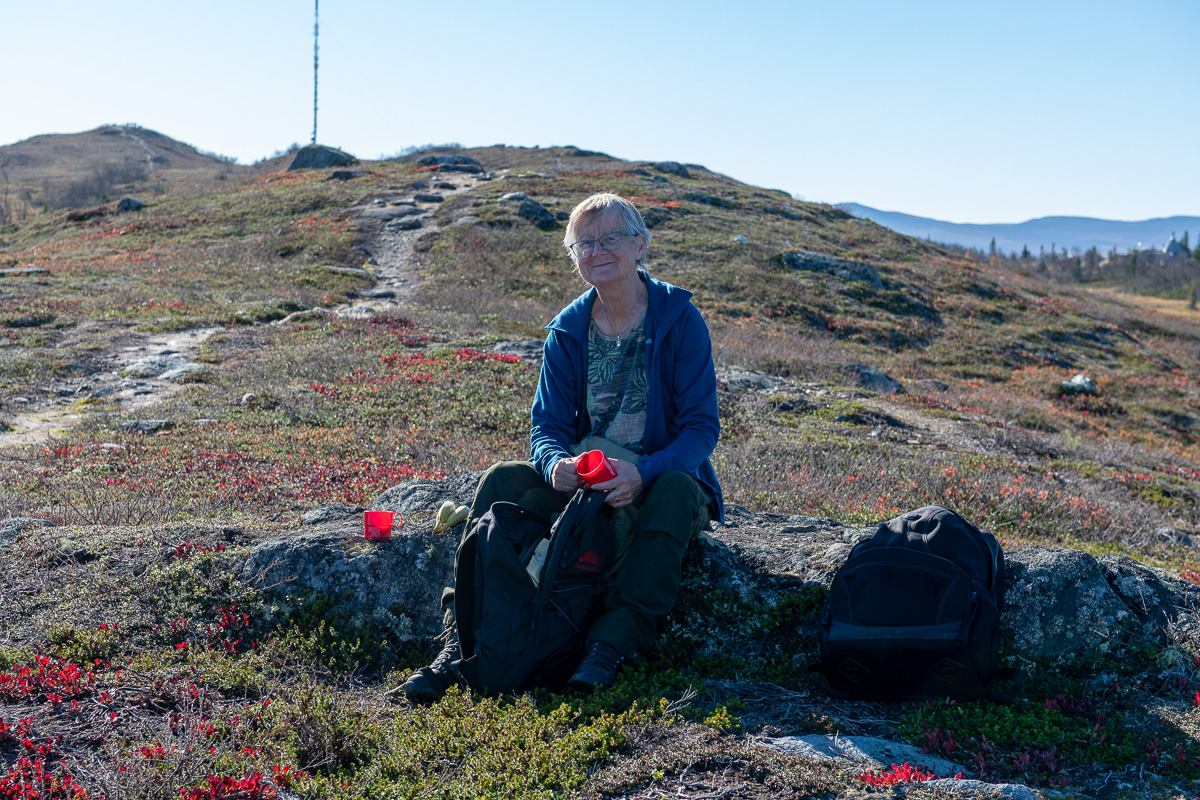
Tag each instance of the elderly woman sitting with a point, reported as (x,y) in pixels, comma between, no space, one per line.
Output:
(627,369)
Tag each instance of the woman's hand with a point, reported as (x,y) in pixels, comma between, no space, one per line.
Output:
(625,488)
(565,476)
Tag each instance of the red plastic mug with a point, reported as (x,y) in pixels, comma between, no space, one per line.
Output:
(377,524)
(595,468)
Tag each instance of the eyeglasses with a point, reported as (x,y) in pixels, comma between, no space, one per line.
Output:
(610,242)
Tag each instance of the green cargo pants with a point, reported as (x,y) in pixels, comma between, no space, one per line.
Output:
(652,535)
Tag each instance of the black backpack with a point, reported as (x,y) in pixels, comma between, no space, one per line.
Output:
(915,612)
(516,635)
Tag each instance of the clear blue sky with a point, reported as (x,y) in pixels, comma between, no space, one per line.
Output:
(965,111)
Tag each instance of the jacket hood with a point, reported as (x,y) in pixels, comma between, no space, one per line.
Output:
(666,302)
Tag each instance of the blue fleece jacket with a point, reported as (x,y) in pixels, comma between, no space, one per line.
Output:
(682,426)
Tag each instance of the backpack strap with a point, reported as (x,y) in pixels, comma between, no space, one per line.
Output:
(466,593)
(584,505)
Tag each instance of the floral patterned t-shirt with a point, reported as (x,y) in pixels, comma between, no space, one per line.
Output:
(617,385)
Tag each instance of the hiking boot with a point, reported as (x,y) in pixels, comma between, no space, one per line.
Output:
(598,668)
(428,684)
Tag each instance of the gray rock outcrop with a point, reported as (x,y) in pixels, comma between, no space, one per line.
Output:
(167,366)
(874,380)
(14,525)
(153,366)
(187,368)
(447,161)
(841,267)
(318,156)
(749,378)
(394,585)
(126,204)
(333,512)
(1080,384)
(389,213)
(864,752)
(1060,604)
(525,348)
(536,213)
(147,426)
(672,168)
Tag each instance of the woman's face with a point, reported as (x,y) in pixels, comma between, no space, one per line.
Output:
(605,268)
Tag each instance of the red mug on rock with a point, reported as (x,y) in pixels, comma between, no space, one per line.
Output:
(377,525)
(595,468)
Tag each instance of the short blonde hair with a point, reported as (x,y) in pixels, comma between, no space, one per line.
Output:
(603,203)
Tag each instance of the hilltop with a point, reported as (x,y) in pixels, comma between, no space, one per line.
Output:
(74,169)
(187,381)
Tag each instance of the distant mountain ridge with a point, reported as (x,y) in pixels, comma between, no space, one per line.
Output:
(1044,232)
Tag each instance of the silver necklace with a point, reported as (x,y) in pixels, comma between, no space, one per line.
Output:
(628,322)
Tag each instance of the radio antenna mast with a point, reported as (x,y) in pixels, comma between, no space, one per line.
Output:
(316,31)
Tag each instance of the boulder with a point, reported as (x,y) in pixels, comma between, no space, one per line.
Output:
(9,528)
(536,213)
(318,156)
(183,369)
(397,583)
(748,378)
(147,426)
(1080,384)
(333,512)
(129,204)
(307,315)
(389,213)
(347,174)
(710,200)
(512,197)
(356,272)
(447,161)
(657,215)
(410,224)
(1062,604)
(873,380)
(153,366)
(841,267)
(864,752)
(672,168)
(739,239)
(422,197)
(525,348)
